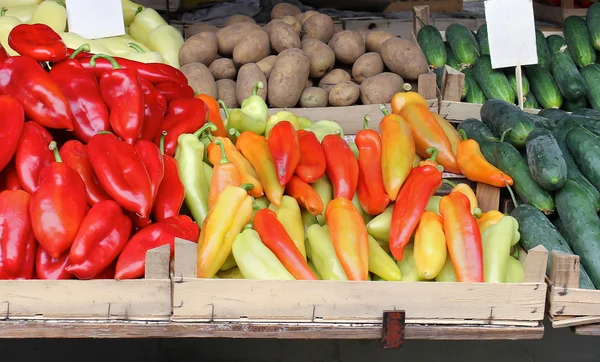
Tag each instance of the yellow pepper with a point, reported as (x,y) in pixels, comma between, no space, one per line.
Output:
(325,190)
(167,41)
(74,41)
(130,10)
(449,131)
(144,22)
(22,12)
(515,273)
(488,219)
(323,253)
(291,217)
(304,122)
(229,263)
(407,265)
(381,263)
(8,3)
(149,57)
(51,13)
(416,160)
(379,226)
(469,193)
(233,273)
(430,245)
(314,270)
(281,116)
(7,24)
(356,202)
(447,274)
(120,44)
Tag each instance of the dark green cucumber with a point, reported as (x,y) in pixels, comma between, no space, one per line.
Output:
(578,39)
(432,45)
(543,53)
(512,80)
(589,123)
(592,18)
(501,116)
(475,129)
(439,76)
(585,148)
(493,82)
(531,102)
(544,87)
(552,113)
(541,122)
(574,105)
(587,112)
(591,76)
(536,229)
(509,160)
(582,225)
(463,44)
(555,42)
(474,92)
(451,59)
(567,76)
(546,163)
(482,40)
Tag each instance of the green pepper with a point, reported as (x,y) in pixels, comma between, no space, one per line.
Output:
(354,148)
(304,123)
(189,156)
(447,274)
(324,128)
(323,253)
(356,202)
(314,270)
(325,190)
(407,265)
(379,226)
(434,204)
(381,263)
(252,116)
(259,204)
(515,273)
(496,242)
(281,116)
(229,263)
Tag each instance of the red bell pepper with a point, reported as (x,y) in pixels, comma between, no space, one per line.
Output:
(101,237)
(32,155)
(342,166)
(23,79)
(305,195)
(13,118)
(122,93)
(153,162)
(175,90)
(284,147)
(121,172)
(183,116)
(171,192)
(108,273)
(49,268)
(132,260)
(9,180)
(37,41)
(26,269)
(81,89)
(3,54)
(273,235)
(15,229)
(312,164)
(155,106)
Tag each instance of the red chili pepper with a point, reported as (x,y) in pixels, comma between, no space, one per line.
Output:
(37,41)
(132,260)
(15,230)
(175,90)
(58,206)
(81,89)
(32,155)
(371,192)
(171,192)
(153,162)
(172,73)
(3,54)
(27,267)
(49,268)
(305,195)
(108,273)
(284,147)
(342,166)
(74,154)
(122,93)
(183,116)
(11,126)
(312,164)
(273,235)
(214,114)
(101,237)
(23,79)
(155,106)
(9,180)
(121,173)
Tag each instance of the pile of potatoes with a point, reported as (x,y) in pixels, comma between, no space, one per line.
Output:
(301,60)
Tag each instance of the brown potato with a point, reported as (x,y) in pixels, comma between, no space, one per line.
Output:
(318,26)
(223,69)
(269,26)
(404,58)
(247,77)
(254,47)
(364,33)
(226,92)
(380,88)
(291,21)
(307,15)
(201,48)
(344,94)
(288,78)
(200,78)
(368,65)
(376,38)
(239,19)
(284,9)
(197,28)
(348,46)
(309,83)
(320,56)
(283,37)
(229,36)
(334,77)
(266,64)
(313,97)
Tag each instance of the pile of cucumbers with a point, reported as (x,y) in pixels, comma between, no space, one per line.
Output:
(554,160)
(566,76)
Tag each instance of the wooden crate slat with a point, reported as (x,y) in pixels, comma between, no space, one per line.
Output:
(450,6)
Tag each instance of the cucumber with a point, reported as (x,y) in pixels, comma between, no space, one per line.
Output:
(552,113)
(591,124)
(542,50)
(482,40)
(531,102)
(432,45)
(439,76)
(574,105)
(585,148)
(536,229)
(578,39)
(477,130)
(451,59)
(582,226)
(592,18)
(474,92)
(541,122)
(544,87)
(508,159)
(463,44)
(493,82)
(567,76)
(555,42)
(512,80)
(546,163)
(501,116)
(587,112)
(591,76)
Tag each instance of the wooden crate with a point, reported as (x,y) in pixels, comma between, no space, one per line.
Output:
(176,5)
(556,14)
(446,6)
(146,299)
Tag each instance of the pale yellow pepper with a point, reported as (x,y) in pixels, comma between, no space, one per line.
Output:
(130,10)
(324,188)
(7,24)
(323,253)
(23,13)
(167,41)
(407,265)
(52,14)
(447,274)
(234,273)
(74,41)
(119,45)
(144,22)
(9,3)
(381,263)
(290,216)
(281,116)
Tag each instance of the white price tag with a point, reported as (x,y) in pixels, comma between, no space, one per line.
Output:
(95,19)
(511,32)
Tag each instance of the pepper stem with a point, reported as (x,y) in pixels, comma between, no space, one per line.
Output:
(224,158)
(512,194)
(407,87)
(463,134)
(139,10)
(163,134)
(248,227)
(255,206)
(3,12)
(61,4)
(366,121)
(504,134)
(104,132)
(247,186)
(384,109)
(112,60)
(234,132)
(209,125)
(338,132)
(136,47)
(477,212)
(225,109)
(256,87)
(83,48)
(54,148)
(433,152)
(449,183)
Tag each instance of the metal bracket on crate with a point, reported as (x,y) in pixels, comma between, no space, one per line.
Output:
(393,326)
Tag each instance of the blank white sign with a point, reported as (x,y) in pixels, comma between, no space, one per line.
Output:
(95,19)
(511,32)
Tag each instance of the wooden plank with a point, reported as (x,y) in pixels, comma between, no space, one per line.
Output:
(186,253)
(453,84)
(462,110)
(555,14)
(588,330)
(535,262)
(576,321)
(573,302)
(420,17)
(488,197)
(157,262)
(448,6)
(564,270)
(427,86)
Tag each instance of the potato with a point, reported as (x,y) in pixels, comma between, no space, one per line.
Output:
(229,36)
(344,94)
(320,56)
(247,77)
(284,9)
(201,48)
(269,26)
(288,78)
(200,78)
(368,65)
(376,38)
(332,78)
(364,33)
(254,47)
(226,92)
(318,26)
(223,69)
(307,15)
(404,58)
(309,83)
(283,37)
(266,64)
(348,46)
(194,29)
(380,88)
(295,24)
(239,19)
(313,97)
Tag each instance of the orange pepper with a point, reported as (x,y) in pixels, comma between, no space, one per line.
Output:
(305,195)
(214,114)
(488,219)
(224,173)
(402,99)
(449,131)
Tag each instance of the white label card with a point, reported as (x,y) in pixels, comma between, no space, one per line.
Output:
(95,19)
(511,32)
